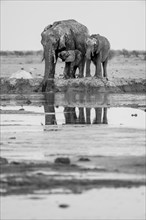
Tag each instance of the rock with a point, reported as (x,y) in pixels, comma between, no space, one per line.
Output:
(62,160)
(84,159)
(21,74)
(28,102)
(15,163)
(63,206)
(3,161)
(134,115)
(21,109)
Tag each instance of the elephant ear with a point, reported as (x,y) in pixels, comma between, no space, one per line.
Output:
(71,57)
(98,44)
(62,43)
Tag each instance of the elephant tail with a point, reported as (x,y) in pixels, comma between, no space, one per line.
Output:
(43,56)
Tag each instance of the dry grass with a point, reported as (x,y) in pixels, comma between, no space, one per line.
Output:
(119,66)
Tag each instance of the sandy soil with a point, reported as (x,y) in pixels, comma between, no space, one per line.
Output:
(125,75)
(118,67)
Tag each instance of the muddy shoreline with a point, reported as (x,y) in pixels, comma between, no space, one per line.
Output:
(18,178)
(90,84)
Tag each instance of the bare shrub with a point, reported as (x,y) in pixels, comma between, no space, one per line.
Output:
(135,53)
(112,54)
(125,53)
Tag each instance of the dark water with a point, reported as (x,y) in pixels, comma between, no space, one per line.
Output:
(71,125)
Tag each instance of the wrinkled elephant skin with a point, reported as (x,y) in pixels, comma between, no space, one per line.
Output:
(62,35)
(97,51)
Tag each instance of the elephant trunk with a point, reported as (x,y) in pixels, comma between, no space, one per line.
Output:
(50,62)
(88,54)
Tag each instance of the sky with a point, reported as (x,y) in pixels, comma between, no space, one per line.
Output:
(121,21)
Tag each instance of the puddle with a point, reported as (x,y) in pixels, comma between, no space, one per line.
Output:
(45,129)
(119,204)
(112,116)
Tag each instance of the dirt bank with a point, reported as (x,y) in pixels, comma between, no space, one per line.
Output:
(114,85)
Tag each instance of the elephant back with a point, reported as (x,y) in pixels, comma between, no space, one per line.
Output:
(73,30)
(75,26)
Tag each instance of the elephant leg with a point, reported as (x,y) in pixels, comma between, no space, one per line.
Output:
(80,71)
(88,63)
(81,68)
(98,70)
(105,67)
(66,71)
(72,70)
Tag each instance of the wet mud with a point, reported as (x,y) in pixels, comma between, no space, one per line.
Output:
(72,149)
(21,178)
(91,84)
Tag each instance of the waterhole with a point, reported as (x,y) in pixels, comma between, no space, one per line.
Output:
(42,130)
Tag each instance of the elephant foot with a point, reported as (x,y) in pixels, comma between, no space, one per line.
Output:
(80,76)
(66,77)
(48,85)
(44,85)
(98,77)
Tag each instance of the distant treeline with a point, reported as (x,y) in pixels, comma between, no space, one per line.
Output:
(127,53)
(113,53)
(21,53)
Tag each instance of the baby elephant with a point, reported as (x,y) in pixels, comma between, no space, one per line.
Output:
(97,51)
(73,60)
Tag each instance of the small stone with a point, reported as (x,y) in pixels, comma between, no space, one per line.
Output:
(3,161)
(84,159)
(63,206)
(28,102)
(62,160)
(134,115)
(21,109)
(15,163)
(12,138)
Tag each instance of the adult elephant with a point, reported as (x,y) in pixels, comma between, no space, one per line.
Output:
(97,51)
(62,35)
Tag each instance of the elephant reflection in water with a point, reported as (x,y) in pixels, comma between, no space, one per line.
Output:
(50,117)
(98,116)
(71,116)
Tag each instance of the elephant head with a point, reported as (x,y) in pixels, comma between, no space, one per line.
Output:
(52,43)
(93,46)
(67,56)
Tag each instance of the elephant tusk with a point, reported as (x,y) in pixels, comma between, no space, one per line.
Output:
(92,53)
(54,58)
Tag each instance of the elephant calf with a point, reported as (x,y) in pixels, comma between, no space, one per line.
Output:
(97,51)
(73,60)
